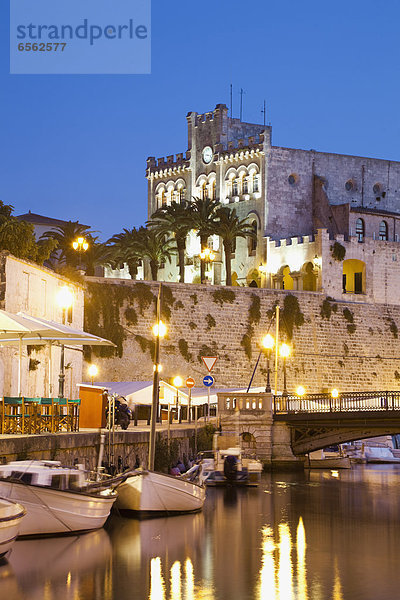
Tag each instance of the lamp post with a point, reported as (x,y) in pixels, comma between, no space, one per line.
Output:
(178,382)
(159,331)
(80,245)
(93,371)
(284,351)
(65,300)
(206,256)
(268,343)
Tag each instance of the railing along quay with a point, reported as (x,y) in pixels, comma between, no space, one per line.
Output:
(345,402)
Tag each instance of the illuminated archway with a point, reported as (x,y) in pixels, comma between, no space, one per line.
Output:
(309,278)
(354,276)
(287,280)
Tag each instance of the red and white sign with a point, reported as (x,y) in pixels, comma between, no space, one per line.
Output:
(190,382)
(209,361)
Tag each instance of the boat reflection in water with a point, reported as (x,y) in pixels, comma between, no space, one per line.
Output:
(57,566)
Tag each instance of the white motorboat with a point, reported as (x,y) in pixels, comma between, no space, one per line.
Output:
(380,455)
(149,493)
(229,467)
(57,499)
(320,459)
(11,515)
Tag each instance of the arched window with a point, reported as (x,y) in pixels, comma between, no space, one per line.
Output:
(214,190)
(253,241)
(360,230)
(383,231)
(204,194)
(255,183)
(182,194)
(163,198)
(235,188)
(245,185)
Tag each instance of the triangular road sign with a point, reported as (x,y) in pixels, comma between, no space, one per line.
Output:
(209,361)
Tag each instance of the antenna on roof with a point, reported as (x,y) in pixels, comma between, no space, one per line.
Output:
(264,111)
(231,99)
(241,103)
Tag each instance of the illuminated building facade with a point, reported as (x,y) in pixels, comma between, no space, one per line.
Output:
(300,202)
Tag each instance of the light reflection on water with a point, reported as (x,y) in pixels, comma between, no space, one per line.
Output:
(312,536)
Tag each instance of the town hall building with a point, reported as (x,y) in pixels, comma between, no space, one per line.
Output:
(324,222)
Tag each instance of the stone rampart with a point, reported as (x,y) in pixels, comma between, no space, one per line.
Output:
(348,345)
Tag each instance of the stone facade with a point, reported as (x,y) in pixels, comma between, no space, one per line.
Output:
(30,288)
(285,193)
(344,344)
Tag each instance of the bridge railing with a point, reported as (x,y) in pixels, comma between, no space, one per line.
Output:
(345,402)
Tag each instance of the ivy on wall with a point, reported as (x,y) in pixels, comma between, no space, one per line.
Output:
(103,304)
(210,322)
(291,315)
(327,307)
(253,319)
(338,252)
(224,296)
(184,350)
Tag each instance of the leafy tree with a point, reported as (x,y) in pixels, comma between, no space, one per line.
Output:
(230,227)
(174,219)
(18,237)
(125,248)
(203,218)
(97,254)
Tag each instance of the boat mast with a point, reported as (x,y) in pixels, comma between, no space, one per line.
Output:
(156,377)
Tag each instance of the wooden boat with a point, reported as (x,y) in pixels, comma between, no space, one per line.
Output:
(57,499)
(11,515)
(148,493)
(321,460)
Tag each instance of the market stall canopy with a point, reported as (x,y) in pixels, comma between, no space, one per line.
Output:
(140,392)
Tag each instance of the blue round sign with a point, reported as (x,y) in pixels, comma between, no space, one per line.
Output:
(208,380)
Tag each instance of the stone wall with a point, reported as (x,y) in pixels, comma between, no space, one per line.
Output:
(83,447)
(348,345)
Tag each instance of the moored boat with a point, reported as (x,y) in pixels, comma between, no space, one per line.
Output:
(57,499)
(11,515)
(229,467)
(321,460)
(148,493)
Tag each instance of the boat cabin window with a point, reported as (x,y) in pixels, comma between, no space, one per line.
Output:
(59,482)
(25,477)
(74,482)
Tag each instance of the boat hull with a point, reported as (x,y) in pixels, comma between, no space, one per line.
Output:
(328,463)
(50,511)
(149,493)
(11,516)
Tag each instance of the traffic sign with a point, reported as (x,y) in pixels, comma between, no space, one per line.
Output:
(190,382)
(209,361)
(208,380)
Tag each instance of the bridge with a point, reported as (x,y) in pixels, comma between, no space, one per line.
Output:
(310,422)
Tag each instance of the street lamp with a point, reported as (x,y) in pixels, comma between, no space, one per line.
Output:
(268,343)
(284,351)
(206,256)
(93,371)
(65,300)
(300,390)
(178,382)
(335,393)
(80,245)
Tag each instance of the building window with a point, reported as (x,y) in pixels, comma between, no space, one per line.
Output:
(383,231)
(182,193)
(213,190)
(253,241)
(255,183)
(245,185)
(235,188)
(360,230)
(163,199)
(204,194)
(292,179)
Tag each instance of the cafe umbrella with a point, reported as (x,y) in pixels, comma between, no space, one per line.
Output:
(22,329)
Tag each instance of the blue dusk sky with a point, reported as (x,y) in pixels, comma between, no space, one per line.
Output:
(75,146)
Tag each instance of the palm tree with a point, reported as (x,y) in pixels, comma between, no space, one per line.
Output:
(174,219)
(65,235)
(126,248)
(156,249)
(97,254)
(230,227)
(203,218)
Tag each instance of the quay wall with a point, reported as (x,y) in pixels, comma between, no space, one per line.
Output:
(351,345)
(83,447)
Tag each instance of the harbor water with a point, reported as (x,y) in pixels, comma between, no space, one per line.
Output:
(316,535)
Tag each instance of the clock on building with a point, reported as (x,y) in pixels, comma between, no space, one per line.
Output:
(207,154)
